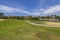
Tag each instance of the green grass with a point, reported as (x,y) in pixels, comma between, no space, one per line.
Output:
(37,21)
(21,30)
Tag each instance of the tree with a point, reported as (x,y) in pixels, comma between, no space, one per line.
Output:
(47,16)
(1,15)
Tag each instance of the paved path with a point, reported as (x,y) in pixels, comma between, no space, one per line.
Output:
(47,25)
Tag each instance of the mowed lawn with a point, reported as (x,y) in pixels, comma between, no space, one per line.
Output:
(12,29)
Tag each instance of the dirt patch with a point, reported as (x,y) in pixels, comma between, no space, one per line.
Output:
(52,23)
(46,24)
(1,19)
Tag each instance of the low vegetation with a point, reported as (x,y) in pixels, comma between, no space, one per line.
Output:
(13,29)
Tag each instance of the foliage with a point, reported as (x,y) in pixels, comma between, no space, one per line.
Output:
(1,15)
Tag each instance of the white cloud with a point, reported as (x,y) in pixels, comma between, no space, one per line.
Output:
(9,9)
(52,9)
(36,12)
(41,10)
(6,8)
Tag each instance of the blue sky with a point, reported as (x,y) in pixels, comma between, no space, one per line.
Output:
(29,7)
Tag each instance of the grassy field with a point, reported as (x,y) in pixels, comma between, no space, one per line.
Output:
(21,30)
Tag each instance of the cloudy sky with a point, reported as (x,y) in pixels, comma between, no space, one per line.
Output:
(30,7)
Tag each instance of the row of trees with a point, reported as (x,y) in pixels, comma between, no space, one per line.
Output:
(21,17)
(29,17)
(51,17)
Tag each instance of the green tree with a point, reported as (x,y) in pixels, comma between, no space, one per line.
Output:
(1,15)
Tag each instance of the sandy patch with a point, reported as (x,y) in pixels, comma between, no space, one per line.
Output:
(46,24)
(1,19)
(52,23)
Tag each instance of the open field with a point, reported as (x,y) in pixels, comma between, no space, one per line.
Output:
(21,30)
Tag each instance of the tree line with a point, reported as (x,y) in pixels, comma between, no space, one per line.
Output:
(2,16)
